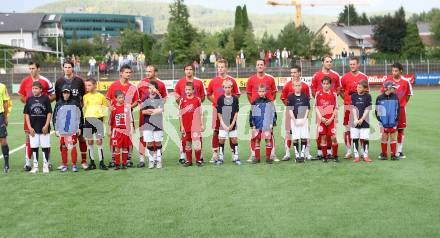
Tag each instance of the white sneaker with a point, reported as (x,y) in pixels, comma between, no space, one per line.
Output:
(84,166)
(213,159)
(151,164)
(347,155)
(274,158)
(159,164)
(45,169)
(250,158)
(60,167)
(34,170)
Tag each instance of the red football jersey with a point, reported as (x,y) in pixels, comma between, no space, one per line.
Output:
(215,88)
(26,86)
(317,80)
(191,113)
(349,84)
(121,117)
(326,103)
(254,82)
(144,91)
(199,88)
(403,90)
(289,89)
(129,89)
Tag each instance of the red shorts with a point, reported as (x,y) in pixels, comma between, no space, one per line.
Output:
(402,119)
(388,130)
(346,114)
(329,130)
(192,136)
(262,135)
(64,140)
(120,139)
(215,120)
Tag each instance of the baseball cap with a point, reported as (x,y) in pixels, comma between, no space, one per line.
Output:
(389,84)
(66,88)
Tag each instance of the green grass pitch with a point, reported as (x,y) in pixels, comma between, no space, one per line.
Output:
(381,199)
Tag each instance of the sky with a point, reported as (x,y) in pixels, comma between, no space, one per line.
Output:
(259,6)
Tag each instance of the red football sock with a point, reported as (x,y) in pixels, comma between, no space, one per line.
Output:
(288,142)
(198,155)
(318,143)
(335,149)
(215,143)
(347,138)
(268,151)
(400,135)
(324,150)
(188,153)
(257,152)
(28,148)
(253,147)
(142,146)
(63,149)
(117,156)
(74,154)
(83,150)
(124,157)
(384,148)
(183,144)
(393,148)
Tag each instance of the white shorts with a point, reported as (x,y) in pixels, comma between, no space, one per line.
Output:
(360,133)
(153,136)
(40,140)
(300,132)
(227,134)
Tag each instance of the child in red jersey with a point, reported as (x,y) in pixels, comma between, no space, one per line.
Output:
(191,124)
(326,110)
(120,130)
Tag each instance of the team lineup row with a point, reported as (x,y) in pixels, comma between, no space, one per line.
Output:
(79,114)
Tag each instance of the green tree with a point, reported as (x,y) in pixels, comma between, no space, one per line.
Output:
(435,25)
(245,18)
(413,47)
(349,15)
(180,33)
(424,16)
(363,20)
(238,32)
(101,47)
(130,41)
(80,47)
(390,31)
(319,47)
(148,43)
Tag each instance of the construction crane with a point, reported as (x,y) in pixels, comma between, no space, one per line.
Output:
(298,4)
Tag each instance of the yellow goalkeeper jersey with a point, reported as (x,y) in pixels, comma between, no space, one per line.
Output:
(95,105)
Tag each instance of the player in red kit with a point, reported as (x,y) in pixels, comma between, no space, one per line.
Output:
(143,91)
(191,124)
(326,109)
(335,86)
(25,91)
(252,86)
(130,94)
(179,92)
(295,74)
(349,83)
(215,90)
(404,92)
(120,129)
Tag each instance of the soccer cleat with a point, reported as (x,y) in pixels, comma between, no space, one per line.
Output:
(401,155)
(74,168)
(367,159)
(214,158)
(255,161)
(27,168)
(50,167)
(395,158)
(274,158)
(158,164)
(336,159)
(251,158)
(91,166)
(319,157)
(219,162)
(347,156)
(187,164)
(124,166)
(141,165)
(84,166)
(199,163)
(182,161)
(382,157)
(269,161)
(237,162)
(63,168)
(324,159)
(151,164)
(112,164)
(60,167)
(6,169)
(310,157)
(299,160)
(34,170)
(285,158)
(46,169)
(117,167)
(357,159)
(129,164)
(102,166)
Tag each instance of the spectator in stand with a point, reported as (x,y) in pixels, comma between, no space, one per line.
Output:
(115,58)
(278,58)
(120,61)
(284,56)
(170,59)
(130,59)
(237,60)
(102,67)
(269,56)
(344,54)
(242,59)
(196,66)
(77,65)
(203,58)
(92,66)
(212,58)
(262,54)
(140,61)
